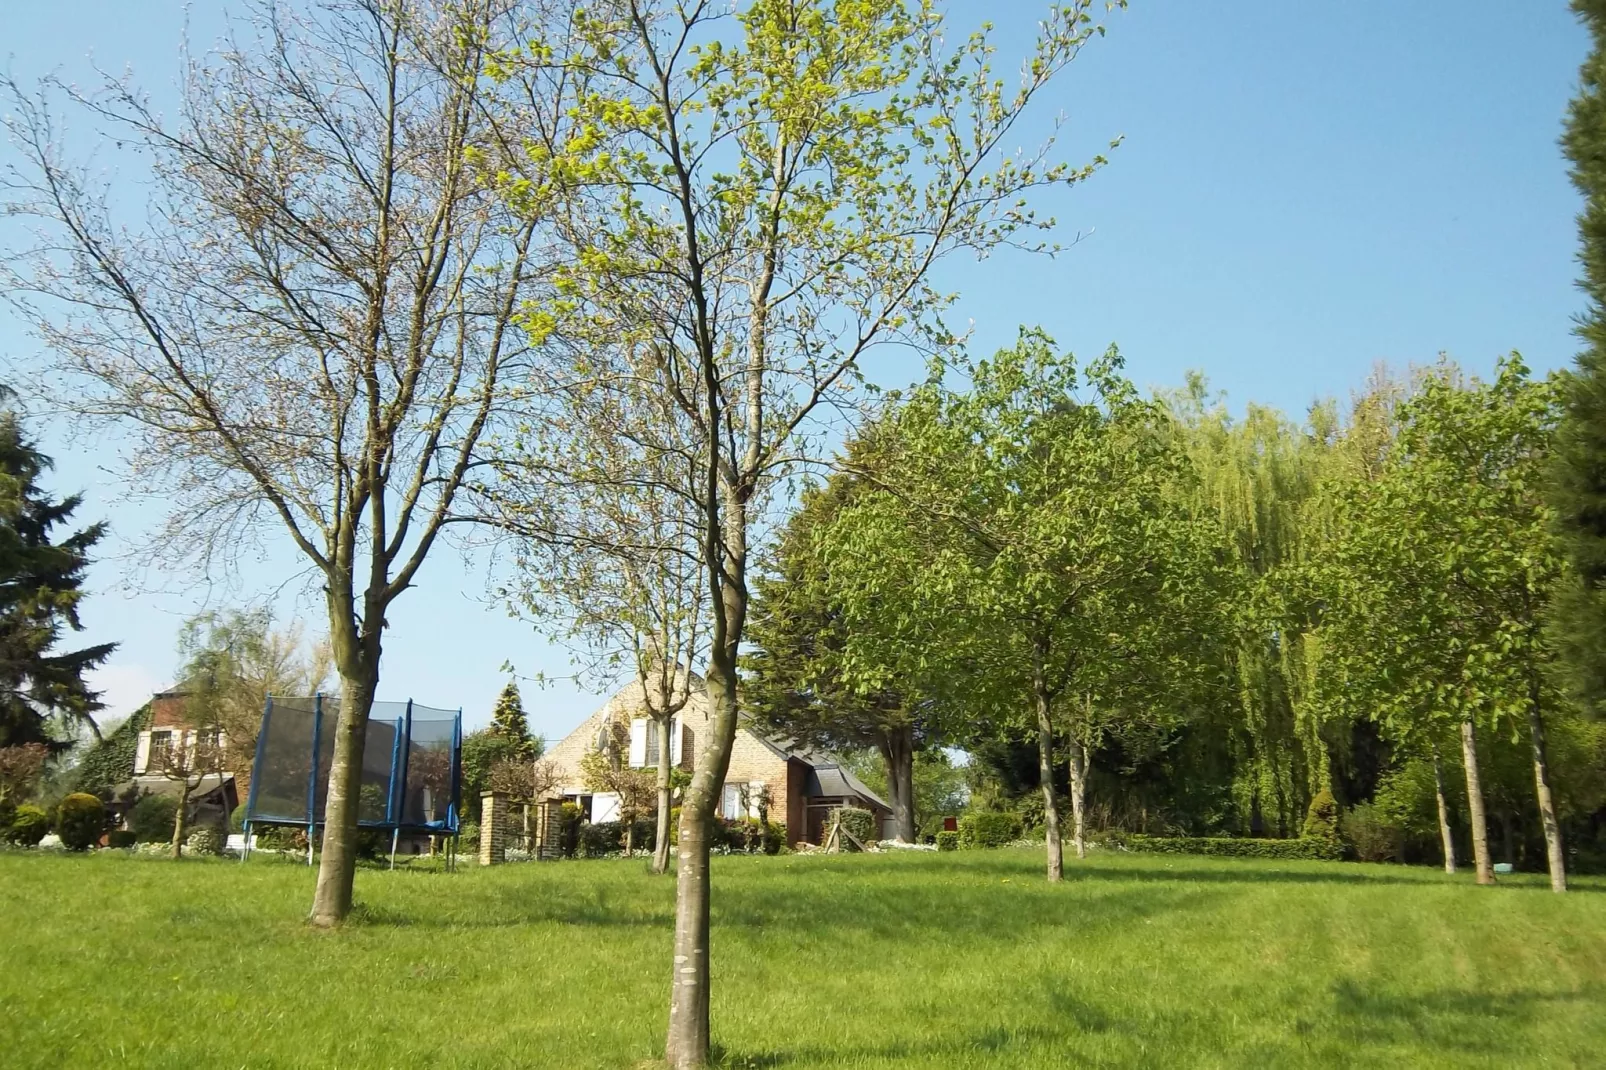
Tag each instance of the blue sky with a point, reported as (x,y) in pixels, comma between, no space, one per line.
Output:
(1305,189)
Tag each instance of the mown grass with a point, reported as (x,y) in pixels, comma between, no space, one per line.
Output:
(847,961)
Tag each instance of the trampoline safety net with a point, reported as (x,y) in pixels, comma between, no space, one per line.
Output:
(411,765)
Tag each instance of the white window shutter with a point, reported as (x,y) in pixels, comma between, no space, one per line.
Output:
(604,807)
(142,754)
(731,802)
(676,731)
(638,743)
(754,789)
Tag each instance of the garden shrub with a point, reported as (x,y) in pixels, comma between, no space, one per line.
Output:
(205,840)
(8,812)
(80,820)
(120,838)
(989,828)
(469,833)
(600,838)
(237,819)
(947,840)
(151,819)
(569,818)
(1305,847)
(1370,835)
(757,837)
(1321,819)
(852,819)
(28,826)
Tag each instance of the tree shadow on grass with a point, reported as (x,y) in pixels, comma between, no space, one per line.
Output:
(1239,871)
(515,907)
(1449,1019)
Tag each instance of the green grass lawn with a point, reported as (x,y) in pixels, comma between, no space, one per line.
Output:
(953,960)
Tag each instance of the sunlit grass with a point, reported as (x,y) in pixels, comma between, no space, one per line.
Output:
(861,961)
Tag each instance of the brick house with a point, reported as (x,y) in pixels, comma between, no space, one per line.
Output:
(170,729)
(803,785)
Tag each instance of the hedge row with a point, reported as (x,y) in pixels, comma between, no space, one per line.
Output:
(986,828)
(1305,847)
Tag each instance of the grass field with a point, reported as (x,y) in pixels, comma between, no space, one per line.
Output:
(965,959)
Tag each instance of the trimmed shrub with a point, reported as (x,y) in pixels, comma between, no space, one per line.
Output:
(151,819)
(205,840)
(947,840)
(28,826)
(120,838)
(1370,835)
(80,820)
(598,839)
(1305,847)
(989,828)
(1321,819)
(237,819)
(851,819)
(469,833)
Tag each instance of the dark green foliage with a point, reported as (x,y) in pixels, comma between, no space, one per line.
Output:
(989,828)
(601,838)
(40,591)
(482,750)
(509,724)
(80,820)
(1305,847)
(1369,834)
(237,819)
(852,819)
(1578,471)
(28,826)
(110,761)
(1321,817)
(753,836)
(120,838)
(151,819)
(948,840)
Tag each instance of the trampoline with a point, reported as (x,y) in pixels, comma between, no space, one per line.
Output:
(411,768)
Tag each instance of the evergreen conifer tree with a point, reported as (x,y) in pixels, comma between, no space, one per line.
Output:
(1579,473)
(508,721)
(41,584)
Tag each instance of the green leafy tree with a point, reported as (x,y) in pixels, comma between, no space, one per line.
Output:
(1042,510)
(1441,577)
(795,684)
(755,201)
(41,588)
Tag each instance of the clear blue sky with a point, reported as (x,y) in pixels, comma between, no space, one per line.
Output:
(1306,188)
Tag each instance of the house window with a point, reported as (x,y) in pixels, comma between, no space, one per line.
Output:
(161,750)
(652,745)
(210,738)
(730,807)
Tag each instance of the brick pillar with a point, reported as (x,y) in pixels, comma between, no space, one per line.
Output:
(493,828)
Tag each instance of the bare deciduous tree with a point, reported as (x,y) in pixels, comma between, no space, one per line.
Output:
(311,331)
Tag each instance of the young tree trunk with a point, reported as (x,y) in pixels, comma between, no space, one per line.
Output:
(630,837)
(1480,823)
(687,1042)
(180,820)
(660,847)
(1547,805)
(1445,835)
(1079,795)
(898,751)
(1045,769)
(337,865)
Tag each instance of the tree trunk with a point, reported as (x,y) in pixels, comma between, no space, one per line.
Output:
(1480,823)
(1079,795)
(630,836)
(1547,805)
(337,865)
(1045,769)
(687,1043)
(898,751)
(660,847)
(180,819)
(1445,835)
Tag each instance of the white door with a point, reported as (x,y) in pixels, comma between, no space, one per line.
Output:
(604,807)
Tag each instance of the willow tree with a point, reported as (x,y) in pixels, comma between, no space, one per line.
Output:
(310,331)
(756,202)
(1046,543)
